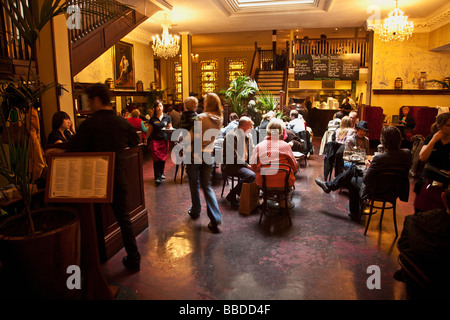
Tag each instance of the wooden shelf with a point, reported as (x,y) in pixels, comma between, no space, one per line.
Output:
(412,92)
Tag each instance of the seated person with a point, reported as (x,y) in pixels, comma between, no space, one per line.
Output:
(297,122)
(358,139)
(354,116)
(336,121)
(408,120)
(237,148)
(266,119)
(345,130)
(261,155)
(136,121)
(425,240)
(358,182)
(174,116)
(234,121)
(62,128)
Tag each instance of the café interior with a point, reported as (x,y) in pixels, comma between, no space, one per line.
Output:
(320,253)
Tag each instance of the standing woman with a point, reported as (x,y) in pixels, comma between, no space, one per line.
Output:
(199,171)
(435,154)
(159,143)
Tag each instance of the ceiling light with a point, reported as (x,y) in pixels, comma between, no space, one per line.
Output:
(396,27)
(167,46)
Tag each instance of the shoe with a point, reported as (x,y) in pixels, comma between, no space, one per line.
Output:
(353,217)
(323,185)
(213,227)
(157,182)
(163,177)
(232,199)
(131,265)
(192,215)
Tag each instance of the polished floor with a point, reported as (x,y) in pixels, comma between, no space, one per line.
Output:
(323,256)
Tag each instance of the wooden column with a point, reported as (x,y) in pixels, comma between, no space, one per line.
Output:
(186,63)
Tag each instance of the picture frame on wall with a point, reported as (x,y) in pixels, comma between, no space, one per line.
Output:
(124,75)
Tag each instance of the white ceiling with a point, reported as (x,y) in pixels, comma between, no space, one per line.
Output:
(203,17)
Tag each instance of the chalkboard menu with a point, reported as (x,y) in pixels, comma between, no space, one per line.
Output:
(327,67)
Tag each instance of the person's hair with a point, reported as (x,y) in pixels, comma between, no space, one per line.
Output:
(294,113)
(156,104)
(441,120)
(405,109)
(213,104)
(391,138)
(339,115)
(276,124)
(135,113)
(190,103)
(345,127)
(244,120)
(268,115)
(58,119)
(234,116)
(101,91)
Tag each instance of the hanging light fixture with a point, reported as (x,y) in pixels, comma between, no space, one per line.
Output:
(167,46)
(396,26)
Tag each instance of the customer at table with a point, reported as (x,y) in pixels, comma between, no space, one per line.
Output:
(234,122)
(199,171)
(237,149)
(174,116)
(159,142)
(357,181)
(297,122)
(407,120)
(435,154)
(425,240)
(62,128)
(104,131)
(358,140)
(274,150)
(354,116)
(137,123)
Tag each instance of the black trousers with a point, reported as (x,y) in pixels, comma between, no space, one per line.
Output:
(352,180)
(158,168)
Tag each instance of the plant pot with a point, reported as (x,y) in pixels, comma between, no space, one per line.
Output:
(35,266)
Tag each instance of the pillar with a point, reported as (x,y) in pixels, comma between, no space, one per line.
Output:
(54,66)
(186,63)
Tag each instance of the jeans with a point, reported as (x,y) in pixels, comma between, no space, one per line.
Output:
(200,176)
(352,180)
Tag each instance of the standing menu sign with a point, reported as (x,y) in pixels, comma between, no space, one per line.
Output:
(327,67)
(80,177)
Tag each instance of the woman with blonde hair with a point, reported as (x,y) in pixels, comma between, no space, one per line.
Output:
(199,172)
(136,121)
(345,129)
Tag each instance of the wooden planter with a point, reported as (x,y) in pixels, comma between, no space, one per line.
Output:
(35,267)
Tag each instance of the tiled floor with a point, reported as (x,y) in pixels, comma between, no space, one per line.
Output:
(323,255)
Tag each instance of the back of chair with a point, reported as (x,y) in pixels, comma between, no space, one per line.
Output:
(387,186)
(269,171)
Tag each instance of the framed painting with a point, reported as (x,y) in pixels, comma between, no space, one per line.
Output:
(124,76)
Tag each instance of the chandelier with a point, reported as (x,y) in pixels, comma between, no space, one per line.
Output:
(396,27)
(166,46)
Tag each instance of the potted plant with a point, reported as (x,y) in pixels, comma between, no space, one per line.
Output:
(239,92)
(35,247)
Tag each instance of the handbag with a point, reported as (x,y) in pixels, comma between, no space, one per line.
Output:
(249,198)
(14,126)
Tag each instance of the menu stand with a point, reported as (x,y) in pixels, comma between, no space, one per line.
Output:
(92,175)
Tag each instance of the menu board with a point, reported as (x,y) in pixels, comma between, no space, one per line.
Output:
(327,67)
(80,177)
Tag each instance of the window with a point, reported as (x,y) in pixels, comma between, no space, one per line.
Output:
(208,75)
(177,81)
(235,68)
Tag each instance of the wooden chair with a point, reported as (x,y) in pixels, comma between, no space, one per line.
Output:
(386,190)
(276,194)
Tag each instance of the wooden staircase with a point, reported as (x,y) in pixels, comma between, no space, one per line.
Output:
(271,81)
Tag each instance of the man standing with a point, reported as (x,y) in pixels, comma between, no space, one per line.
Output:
(104,131)
(237,148)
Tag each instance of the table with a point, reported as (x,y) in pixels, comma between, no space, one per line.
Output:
(393,124)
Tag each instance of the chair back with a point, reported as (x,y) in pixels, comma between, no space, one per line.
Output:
(270,171)
(387,186)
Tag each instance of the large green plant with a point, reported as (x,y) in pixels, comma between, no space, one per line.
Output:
(29,17)
(239,92)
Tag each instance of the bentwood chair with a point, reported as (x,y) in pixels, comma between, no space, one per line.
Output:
(386,190)
(278,194)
